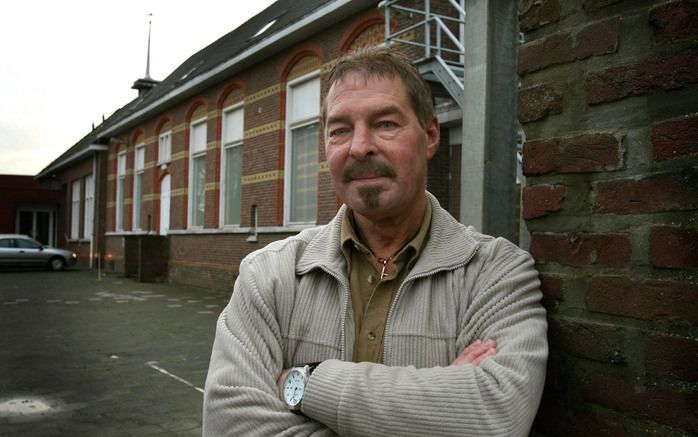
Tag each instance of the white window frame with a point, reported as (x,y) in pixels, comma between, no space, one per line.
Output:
(137,203)
(291,124)
(226,144)
(193,155)
(76,192)
(165,147)
(120,190)
(89,206)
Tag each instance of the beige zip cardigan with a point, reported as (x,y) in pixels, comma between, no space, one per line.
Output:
(291,305)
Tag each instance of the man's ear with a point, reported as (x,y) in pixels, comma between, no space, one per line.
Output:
(433,132)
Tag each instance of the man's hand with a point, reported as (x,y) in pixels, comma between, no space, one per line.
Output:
(476,352)
(280,383)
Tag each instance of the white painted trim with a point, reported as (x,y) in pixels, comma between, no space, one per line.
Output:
(72,158)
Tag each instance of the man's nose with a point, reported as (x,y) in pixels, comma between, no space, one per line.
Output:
(362,144)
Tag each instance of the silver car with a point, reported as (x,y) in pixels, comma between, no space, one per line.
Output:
(22,250)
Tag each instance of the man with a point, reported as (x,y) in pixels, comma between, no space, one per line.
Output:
(393,319)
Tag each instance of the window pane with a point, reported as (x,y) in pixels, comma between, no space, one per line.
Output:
(164,150)
(75,211)
(233,126)
(304,174)
(305,100)
(198,137)
(137,184)
(198,198)
(121,167)
(233,183)
(43,222)
(140,158)
(26,244)
(120,209)
(26,222)
(89,204)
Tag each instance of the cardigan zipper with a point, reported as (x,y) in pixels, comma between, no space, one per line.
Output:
(345,309)
(399,292)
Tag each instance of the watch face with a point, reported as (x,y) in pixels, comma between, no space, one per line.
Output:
(294,385)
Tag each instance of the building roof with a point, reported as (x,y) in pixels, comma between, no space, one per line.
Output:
(282,24)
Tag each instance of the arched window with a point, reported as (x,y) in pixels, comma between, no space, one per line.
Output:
(302,141)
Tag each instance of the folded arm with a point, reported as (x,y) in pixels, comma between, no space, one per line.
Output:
(499,396)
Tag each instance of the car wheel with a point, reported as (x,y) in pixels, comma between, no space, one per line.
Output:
(56,264)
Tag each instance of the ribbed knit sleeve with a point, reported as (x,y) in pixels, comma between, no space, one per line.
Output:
(500,397)
(241,396)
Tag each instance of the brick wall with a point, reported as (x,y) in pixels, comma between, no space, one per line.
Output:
(609,104)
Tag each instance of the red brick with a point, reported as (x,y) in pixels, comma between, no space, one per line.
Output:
(647,300)
(537,102)
(535,14)
(675,21)
(661,73)
(674,248)
(675,138)
(581,154)
(597,39)
(673,357)
(667,192)
(534,56)
(553,288)
(660,404)
(607,250)
(539,200)
(541,156)
(593,341)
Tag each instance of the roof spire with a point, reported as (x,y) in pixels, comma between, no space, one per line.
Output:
(147,63)
(147,83)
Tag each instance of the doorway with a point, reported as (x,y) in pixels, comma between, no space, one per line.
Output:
(38,223)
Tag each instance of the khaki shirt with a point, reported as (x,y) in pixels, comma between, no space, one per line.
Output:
(371,296)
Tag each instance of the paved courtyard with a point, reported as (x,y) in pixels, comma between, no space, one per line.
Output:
(88,356)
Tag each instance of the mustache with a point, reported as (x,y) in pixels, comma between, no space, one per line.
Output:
(358,169)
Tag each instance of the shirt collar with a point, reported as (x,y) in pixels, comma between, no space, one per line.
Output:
(348,237)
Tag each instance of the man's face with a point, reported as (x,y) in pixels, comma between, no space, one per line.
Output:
(377,151)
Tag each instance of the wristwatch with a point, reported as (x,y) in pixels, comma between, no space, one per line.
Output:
(294,385)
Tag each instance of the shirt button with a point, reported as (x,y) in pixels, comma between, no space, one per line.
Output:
(371,279)
(371,336)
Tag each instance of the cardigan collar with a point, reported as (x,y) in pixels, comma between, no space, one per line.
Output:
(449,244)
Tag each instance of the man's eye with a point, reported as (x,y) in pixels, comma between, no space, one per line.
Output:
(387,125)
(338,132)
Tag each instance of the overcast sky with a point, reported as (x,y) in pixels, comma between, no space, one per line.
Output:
(66,63)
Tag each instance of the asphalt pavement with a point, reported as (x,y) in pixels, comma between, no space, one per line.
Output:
(82,355)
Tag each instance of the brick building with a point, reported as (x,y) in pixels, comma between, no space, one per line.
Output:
(225,154)
(80,175)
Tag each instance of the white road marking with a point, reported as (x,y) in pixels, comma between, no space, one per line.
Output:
(174,306)
(117,296)
(152,364)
